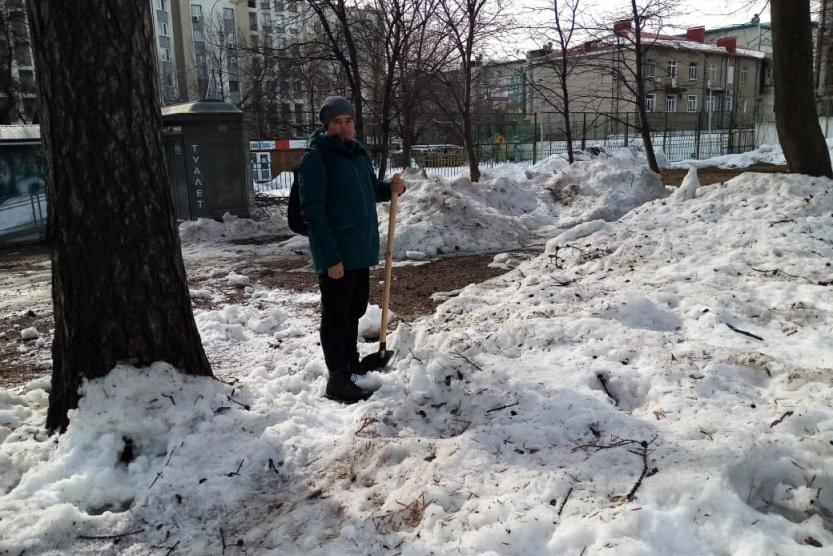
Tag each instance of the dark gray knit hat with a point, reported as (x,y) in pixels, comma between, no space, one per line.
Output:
(335,106)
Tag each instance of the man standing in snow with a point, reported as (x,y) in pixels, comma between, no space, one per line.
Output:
(339,192)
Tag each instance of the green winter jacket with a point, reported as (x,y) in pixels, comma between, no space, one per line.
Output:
(341,217)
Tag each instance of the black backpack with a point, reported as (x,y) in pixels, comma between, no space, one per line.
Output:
(294,216)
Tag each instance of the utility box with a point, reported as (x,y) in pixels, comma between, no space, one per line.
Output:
(207,156)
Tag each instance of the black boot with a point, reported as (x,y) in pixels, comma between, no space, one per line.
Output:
(342,389)
(356,366)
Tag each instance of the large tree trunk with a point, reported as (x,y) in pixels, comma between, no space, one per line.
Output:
(796,117)
(118,281)
(647,142)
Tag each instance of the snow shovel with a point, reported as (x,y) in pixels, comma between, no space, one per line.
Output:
(380,359)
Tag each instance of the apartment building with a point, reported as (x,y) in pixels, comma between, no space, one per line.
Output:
(223,49)
(753,35)
(681,74)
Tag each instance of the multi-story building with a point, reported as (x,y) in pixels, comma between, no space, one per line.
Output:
(500,86)
(241,51)
(18,99)
(680,74)
(752,36)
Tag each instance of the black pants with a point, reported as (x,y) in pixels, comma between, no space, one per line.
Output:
(343,302)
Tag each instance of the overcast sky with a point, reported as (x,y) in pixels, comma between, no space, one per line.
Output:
(711,13)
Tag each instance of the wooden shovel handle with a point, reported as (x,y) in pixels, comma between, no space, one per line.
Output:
(383,330)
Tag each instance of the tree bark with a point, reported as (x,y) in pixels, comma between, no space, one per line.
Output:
(796,118)
(118,280)
(647,142)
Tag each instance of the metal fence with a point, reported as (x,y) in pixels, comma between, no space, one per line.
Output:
(502,138)
(22,218)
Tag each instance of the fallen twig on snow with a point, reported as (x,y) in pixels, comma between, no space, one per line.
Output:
(110,537)
(158,475)
(744,332)
(603,381)
(244,406)
(502,407)
(642,451)
(239,467)
(564,502)
(223,539)
(780,419)
(470,362)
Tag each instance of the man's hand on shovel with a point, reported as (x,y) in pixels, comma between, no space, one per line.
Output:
(379,359)
(397,185)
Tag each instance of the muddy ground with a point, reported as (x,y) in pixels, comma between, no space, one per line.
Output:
(411,293)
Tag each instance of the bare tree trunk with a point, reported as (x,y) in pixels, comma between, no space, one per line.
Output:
(796,118)
(647,143)
(468,140)
(565,113)
(118,281)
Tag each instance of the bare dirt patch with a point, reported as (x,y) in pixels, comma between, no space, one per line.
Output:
(712,174)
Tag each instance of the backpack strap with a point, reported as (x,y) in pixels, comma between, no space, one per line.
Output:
(329,164)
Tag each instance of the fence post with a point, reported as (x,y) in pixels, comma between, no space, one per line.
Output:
(626,127)
(584,132)
(535,139)
(697,135)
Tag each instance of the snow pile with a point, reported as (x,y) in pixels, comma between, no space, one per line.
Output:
(231,228)
(659,384)
(765,154)
(371,321)
(687,189)
(142,440)
(439,215)
(707,322)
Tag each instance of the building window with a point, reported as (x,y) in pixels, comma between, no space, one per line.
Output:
(692,70)
(744,74)
(169,78)
(650,102)
(162,5)
(253,21)
(729,99)
(742,104)
(670,103)
(233,86)
(710,103)
(166,54)
(672,69)
(253,3)
(228,14)
(196,11)
(279,5)
(164,29)
(712,72)
(650,68)
(299,114)
(691,104)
